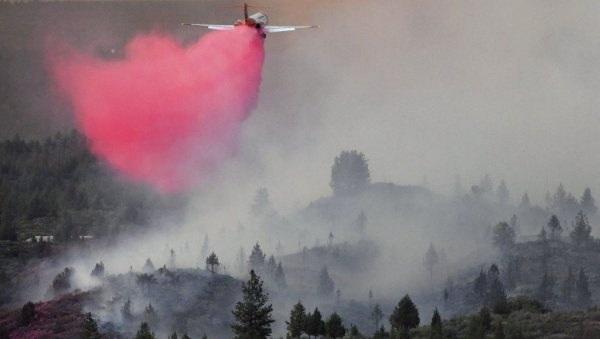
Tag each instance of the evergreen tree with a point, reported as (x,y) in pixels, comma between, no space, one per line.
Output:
(350,173)
(144,332)
(380,333)
(150,315)
(480,285)
(474,329)
(253,314)
(315,325)
(27,314)
(569,286)
(280,277)
(148,266)
(554,227)
(504,237)
(502,193)
(430,260)
(271,267)
(89,328)
(436,326)
(126,310)
(583,291)
(485,319)
(257,258)
(405,315)
(588,203)
(173,335)
(298,321)
(376,315)
(334,327)
(581,230)
(496,295)
(404,333)
(545,289)
(98,270)
(354,333)
(212,263)
(326,285)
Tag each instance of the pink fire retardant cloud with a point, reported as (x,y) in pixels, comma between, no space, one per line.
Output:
(164,114)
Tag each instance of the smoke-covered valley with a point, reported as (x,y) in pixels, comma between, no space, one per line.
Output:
(403,148)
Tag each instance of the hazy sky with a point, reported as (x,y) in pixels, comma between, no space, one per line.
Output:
(429,88)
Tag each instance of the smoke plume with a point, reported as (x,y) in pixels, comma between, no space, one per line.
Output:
(163,114)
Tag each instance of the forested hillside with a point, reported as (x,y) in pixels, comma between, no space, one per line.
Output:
(57,187)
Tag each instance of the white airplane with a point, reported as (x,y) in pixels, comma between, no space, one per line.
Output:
(258,20)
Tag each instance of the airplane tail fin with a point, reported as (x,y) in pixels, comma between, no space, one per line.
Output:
(245,6)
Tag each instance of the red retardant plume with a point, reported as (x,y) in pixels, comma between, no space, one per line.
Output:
(164,114)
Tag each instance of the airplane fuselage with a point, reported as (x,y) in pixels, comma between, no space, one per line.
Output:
(257,20)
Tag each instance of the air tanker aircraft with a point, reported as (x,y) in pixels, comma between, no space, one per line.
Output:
(258,20)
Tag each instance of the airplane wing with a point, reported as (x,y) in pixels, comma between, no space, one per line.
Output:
(276,29)
(215,27)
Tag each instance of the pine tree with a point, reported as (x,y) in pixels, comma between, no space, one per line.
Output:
(326,285)
(354,333)
(89,328)
(436,326)
(496,296)
(173,335)
(485,319)
(315,325)
(588,203)
(480,285)
(27,314)
(253,314)
(280,277)
(569,286)
(271,267)
(504,237)
(554,227)
(430,260)
(405,315)
(150,315)
(350,173)
(126,310)
(380,333)
(212,263)
(376,315)
(148,266)
(256,261)
(98,270)
(583,291)
(297,323)
(334,327)
(144,332)
(502,193)
(545,289)
(581,230)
